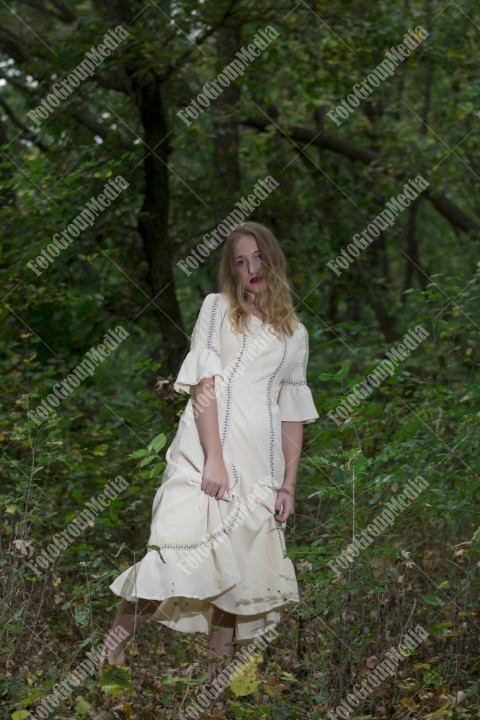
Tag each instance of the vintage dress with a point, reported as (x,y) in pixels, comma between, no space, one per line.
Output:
(228,552)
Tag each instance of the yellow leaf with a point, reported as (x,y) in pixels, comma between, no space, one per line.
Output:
(289,677)
(274,690)
(115,680)
(245,681)
(430,559)
(19,714)
(410,704)
(83,707)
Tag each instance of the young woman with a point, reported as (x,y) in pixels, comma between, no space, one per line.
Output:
(215,562)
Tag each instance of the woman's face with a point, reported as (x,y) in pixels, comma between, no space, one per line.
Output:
(249,265)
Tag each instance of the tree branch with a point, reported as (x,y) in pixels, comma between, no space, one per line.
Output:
(20,124)
(12,46)
(97,128)
(442,204)
(198,42)
(63,13)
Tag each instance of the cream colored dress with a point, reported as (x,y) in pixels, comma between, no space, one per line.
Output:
(227,552)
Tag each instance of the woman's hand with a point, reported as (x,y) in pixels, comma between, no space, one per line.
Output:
(215,478)
(284,505)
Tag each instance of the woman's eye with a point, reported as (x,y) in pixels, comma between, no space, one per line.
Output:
(239,262)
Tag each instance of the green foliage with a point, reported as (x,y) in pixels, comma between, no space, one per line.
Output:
(422,421)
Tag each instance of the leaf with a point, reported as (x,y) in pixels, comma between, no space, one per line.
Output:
(83,707)
(245,681)
(34,694)
(410,704)
(288,677)
(433,600)
(19,714)
(157,443)
(343,372)
(82,615)
(137,454)
(22,547)
(339,375)
(115,679)
(147,460)
(125,708)
(430,560)
(274,690)
(157,469)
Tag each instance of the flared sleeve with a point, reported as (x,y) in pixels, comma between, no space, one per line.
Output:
(295,399)
(203,359)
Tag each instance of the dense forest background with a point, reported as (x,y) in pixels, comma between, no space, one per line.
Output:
(183,180)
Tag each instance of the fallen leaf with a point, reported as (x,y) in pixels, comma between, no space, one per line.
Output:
(245,681)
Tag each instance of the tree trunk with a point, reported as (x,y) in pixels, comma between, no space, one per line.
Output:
(226,167)
(413,261)
(385,321)
(8,197)
(153,220)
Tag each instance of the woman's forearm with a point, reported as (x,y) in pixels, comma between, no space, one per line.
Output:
(292,440)
(206,417)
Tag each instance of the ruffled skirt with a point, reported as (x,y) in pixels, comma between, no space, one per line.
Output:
(204,552)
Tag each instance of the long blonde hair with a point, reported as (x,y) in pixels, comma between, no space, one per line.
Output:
(274,298)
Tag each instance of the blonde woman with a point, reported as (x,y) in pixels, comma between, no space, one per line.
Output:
(215,562)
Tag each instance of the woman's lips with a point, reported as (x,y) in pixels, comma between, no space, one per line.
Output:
(253,280)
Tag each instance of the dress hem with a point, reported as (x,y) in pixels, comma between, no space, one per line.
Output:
(168,597)
(285,604)
(306,420)
(268,609)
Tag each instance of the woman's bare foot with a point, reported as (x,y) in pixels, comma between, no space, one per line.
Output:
(130,616)
(109,657)
(216,668)
(222,633)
